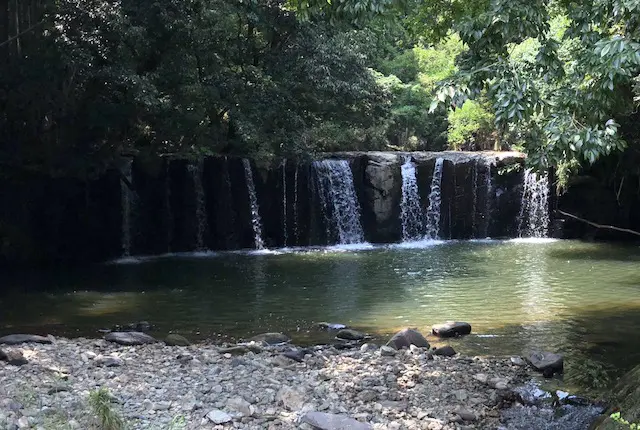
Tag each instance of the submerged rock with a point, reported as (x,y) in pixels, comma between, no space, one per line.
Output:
(331,326)
(350,334)
(546,361)
(270,338)
(16,339)
(451,329)
(129,338)
(176,340)
(407,337)
(325,421)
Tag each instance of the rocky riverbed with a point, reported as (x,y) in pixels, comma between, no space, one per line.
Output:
(156,386)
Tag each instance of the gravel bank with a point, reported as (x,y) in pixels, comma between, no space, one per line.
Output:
(201,387)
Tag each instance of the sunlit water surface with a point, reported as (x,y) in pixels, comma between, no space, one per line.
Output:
(577,298)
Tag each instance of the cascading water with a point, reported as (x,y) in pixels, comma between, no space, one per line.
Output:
(195,171)
(411,213)
(489,197)
(284,201)
(339,200)
(128,199)
(256,222)
(433,211)
(533,220)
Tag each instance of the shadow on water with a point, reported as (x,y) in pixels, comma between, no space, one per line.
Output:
(598,252)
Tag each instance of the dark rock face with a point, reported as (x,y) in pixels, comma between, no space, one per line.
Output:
(270,338)
(129,338)
(16,339)
(406,338)
(445,351)
(451,329)
(187,205)
(546,361)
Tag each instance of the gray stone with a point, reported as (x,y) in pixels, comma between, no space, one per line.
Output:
(15,358)
(542,361)
(407,337)
(176,340)
(217,416)
(451,329)
(466,414)
(241,406)
(445,351)
(109,361)
(518,361)
(129,338)
(366,347)
(350,334)
(290,398)
(270,338)
(325,421)
(16,339)
(387,351)
(23,423)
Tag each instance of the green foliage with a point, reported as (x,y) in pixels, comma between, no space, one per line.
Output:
(100,402)
(470,127)
(617,417)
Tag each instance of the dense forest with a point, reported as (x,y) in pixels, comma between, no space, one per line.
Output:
(83,81)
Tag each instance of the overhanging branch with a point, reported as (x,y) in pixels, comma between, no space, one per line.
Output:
(594,224)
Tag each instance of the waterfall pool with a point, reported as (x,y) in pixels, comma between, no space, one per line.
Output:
(581,299)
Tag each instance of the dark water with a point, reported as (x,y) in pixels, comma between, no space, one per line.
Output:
(577,298)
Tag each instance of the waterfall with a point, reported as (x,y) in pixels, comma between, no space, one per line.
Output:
(195,171)
(128,200)
(533,219)
(411,212)
(284,201)
(256,223)
(488,202)
(433,212)
(339,200)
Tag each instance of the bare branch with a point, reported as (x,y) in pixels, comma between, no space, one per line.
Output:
(596,225)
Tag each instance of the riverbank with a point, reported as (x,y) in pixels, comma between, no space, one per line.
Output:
(204,386)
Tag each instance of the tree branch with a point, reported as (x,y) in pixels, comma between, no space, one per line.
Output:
(22,33)
(596,225)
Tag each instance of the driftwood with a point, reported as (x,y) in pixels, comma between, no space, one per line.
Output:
(594,224)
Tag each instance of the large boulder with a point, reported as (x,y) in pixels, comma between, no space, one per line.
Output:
(406,338)
(270,338)
(16,339)
(129,338)
(325,421)
(546,361)
(625,399)
(451,329)
(350,334)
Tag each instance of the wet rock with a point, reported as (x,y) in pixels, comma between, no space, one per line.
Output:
(15,358)
(176,340)
(270,338)
(325,421)
(331,326)
(217,416)
(295,354)
(350,334)
(407,337)
(16,339)
(546,361)
(451,329)
(129,338)
(446,351)
(465,414)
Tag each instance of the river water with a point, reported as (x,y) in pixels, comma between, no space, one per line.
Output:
(578,298)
